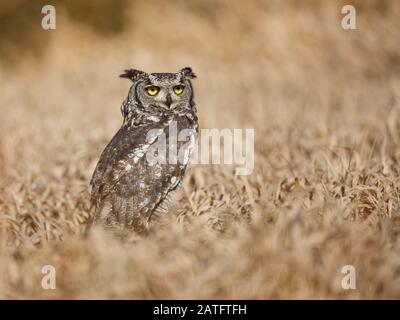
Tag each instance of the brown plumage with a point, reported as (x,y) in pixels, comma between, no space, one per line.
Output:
(127,186)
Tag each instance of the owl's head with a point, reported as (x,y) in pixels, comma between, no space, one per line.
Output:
(161,90)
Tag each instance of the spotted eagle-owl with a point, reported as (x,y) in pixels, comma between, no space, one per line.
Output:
(130,182)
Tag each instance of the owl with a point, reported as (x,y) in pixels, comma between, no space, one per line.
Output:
(146,160)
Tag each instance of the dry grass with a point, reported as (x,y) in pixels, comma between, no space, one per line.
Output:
(325,104)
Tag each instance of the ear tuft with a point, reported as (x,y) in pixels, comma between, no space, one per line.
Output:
(188,73)
(134,75)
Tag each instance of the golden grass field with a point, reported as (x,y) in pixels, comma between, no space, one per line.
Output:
(325,106)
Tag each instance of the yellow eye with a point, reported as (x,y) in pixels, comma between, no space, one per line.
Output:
(179,89)
(152,91)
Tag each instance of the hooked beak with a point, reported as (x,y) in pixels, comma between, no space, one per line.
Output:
(168,101)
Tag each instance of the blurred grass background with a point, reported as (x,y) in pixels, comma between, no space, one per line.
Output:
(325,190)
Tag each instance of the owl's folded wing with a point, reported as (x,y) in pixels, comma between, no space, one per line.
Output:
(123,163)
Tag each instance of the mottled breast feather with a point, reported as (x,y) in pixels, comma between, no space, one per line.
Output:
(126,184)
